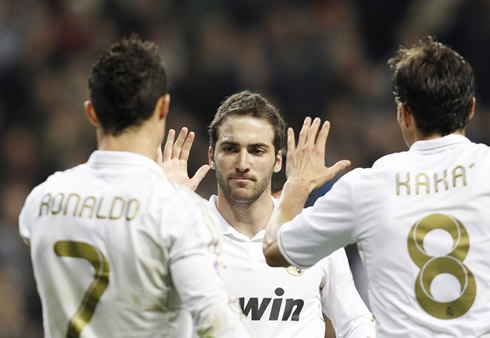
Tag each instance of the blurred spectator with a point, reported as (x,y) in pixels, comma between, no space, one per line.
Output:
(312,57)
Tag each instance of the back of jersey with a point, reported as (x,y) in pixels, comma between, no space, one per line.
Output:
(424,229)
(110,240)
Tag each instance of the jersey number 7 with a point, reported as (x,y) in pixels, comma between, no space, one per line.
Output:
(95,290)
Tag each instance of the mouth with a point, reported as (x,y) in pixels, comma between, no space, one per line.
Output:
(241,179)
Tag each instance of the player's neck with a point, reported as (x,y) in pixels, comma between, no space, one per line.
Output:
(140,141)
(246,218)
(425,137)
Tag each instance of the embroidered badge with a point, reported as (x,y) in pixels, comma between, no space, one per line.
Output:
(295,271)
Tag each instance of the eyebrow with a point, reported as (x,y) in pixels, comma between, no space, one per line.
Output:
(257,144)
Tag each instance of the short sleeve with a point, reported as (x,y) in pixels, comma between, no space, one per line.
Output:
(320,229)
(196,232)
(25,217)
(195,268)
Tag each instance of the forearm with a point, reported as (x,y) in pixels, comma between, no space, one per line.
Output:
(214,311)
(306,171)
(291,203)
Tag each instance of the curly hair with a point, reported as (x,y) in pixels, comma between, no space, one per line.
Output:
(247,103)
(125,84)
(435,83)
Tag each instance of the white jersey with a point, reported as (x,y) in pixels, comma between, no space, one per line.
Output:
(119,251)
(421,219)
(290,302)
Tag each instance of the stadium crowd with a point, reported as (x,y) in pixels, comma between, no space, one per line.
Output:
(317,57)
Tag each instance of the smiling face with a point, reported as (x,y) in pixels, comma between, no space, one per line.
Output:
(244,158)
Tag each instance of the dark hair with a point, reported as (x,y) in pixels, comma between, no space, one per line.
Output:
(435,83)
(125,84)
(247,103)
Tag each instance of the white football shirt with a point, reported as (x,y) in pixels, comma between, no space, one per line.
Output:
(119,251)
(290,302)
(421,219)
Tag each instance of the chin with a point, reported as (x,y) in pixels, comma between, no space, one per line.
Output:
(242,198)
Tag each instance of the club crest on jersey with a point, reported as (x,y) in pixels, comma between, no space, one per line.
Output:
(295,271)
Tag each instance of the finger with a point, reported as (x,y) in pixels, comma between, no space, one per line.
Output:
(312,132)
(332,172)
(199,175)
(339,166)
(303,133)
(169,144)
(290,141)
(186,148)
(321,141)
(177,149)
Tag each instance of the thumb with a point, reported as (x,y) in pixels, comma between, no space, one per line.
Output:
(339,166)
(199,175)
(331,172)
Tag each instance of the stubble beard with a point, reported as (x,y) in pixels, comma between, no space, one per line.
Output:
(244,197)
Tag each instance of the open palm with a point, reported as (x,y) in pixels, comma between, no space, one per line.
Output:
(175,157)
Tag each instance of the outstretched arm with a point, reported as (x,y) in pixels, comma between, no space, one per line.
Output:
(195,272)
(175,157)
(305,171)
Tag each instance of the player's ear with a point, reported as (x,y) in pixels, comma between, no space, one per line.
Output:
(163,106)
(90,111)
(278,164)
(405,116)
(211,158)
(472,109)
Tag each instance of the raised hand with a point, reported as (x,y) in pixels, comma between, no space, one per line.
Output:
(305,171)
(305,161)
(175,156)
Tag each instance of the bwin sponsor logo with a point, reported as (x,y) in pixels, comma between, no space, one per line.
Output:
(291,309)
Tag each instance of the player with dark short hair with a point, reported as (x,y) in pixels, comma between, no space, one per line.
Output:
(246,138)
(420,218)
(118,250)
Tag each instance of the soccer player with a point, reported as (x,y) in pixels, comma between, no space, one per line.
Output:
(117,249)
(421,218)
(246,138)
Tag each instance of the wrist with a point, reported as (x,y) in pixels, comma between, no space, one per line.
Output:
(296,191)
(299,186)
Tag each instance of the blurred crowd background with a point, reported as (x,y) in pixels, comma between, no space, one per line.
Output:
(322,58)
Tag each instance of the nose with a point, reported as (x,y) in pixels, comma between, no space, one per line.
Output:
(243,161)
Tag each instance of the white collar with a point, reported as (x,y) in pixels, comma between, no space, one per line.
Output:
(440,143)
(228,230)
(123,158)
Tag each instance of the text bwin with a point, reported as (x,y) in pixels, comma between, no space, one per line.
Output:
(291,310)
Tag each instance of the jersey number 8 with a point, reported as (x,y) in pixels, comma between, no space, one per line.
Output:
(101,280)
(452,263)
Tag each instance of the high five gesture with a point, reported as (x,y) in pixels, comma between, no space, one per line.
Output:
(175,156)
(306,160)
